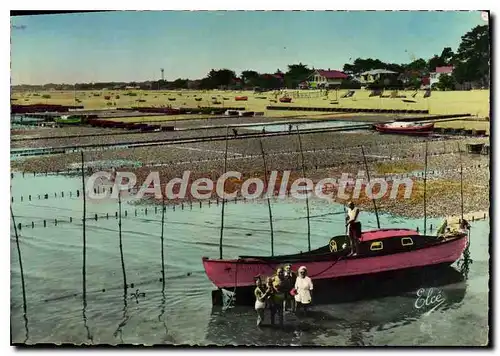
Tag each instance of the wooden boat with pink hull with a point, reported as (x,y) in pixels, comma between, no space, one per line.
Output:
(381,250)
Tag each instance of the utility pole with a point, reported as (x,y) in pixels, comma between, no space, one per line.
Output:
(162,77)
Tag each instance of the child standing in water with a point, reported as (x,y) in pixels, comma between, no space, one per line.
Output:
(260,300)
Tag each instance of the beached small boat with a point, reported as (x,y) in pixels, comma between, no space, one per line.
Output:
(246,113)
(68,120)
(380,251)
(405,128)
(285,100)
(241,98)
(232,113)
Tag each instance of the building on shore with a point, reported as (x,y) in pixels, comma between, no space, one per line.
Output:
(326,78)
(434,76)
(372,76)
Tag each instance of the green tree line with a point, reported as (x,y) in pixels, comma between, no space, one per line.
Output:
(471,64)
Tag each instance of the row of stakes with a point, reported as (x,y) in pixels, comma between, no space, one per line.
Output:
(106,216)
(98,191)
(158,209)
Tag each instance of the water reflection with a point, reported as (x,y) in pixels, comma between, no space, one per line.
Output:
(84,314)
(125,317)
(162,319)
(465,262)
(26,329)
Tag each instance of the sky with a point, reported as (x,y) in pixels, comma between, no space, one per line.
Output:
(134,45)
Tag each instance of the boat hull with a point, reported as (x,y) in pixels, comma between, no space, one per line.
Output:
(237,273)
(362,287)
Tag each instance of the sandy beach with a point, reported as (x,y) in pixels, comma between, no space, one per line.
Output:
(474,102)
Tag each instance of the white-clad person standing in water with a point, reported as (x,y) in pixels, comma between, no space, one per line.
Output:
(353,227)
(303,287)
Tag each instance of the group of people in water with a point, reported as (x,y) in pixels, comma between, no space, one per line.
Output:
(285,291)
(290,291)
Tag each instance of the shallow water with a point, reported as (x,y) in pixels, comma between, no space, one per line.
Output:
(306,126)
(52,261)
(21,119)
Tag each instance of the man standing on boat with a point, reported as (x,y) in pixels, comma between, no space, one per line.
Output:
(353,227)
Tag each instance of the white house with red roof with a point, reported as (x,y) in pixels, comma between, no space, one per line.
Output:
(374,75)
(326,78)
(445,70)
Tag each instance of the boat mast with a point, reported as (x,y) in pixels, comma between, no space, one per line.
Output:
(425,189)
(223,200)
(268,199)
(461,182)
(368,175)
(307,199)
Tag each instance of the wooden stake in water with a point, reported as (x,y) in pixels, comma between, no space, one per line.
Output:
(120,240)
(307,199)
(84,263)
(268,198)
(368,176)
(162,248)
(84,269)
(223,199)
(125,316)
(425,190)
(23,286)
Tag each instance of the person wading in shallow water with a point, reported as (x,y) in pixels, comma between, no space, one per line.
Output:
(270,292)
(278,297)
(290,278)
(304,287)
(260,299)
(353,227)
